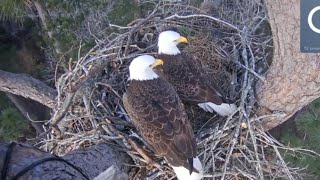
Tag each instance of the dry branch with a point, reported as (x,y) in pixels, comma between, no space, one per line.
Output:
(28,87)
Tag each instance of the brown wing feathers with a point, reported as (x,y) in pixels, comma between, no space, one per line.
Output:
(191,84)
(159,115)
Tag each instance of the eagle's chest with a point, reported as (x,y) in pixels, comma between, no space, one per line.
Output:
(147,89)
(177,73)
(174,69)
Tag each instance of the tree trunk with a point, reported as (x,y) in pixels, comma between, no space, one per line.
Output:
(293,80)
(45,19)
(28,87)
(92,161)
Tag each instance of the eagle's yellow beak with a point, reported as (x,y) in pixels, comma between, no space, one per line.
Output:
(157,63)
(182,40)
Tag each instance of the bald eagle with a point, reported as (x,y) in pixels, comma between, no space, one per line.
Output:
(192,84)
(157,112)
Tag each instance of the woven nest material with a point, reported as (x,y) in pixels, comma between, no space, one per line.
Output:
(231,39)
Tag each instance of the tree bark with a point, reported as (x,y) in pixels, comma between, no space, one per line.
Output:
(293,80)
(28,87)
(92,161)
(45,18)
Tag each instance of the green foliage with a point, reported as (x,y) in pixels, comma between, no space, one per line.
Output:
(306,135)
(12,10)
(123,12)
(3,101)
(197,3)
(12,123)
(8,57)
(70,23)
(186,31)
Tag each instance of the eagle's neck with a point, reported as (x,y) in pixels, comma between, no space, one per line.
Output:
(141,75)
(168,49)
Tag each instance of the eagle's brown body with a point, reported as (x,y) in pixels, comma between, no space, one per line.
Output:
(159,115)
(192,84)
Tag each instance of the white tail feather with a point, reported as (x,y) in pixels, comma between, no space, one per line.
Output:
(223,109)
(184,174)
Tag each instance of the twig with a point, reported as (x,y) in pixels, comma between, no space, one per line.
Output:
(230,151)
(276,115)
(252,71)
(254,142)
(143,154)
(135,28)
(120,27)
(60,113)
(205,16)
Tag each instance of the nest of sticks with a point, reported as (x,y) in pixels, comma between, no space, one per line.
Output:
(232,40)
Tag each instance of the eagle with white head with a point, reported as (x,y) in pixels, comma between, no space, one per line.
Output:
(157,112)
(188,77)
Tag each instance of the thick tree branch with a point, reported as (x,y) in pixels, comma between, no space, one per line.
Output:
(293,80)
(92,161)
(28,87)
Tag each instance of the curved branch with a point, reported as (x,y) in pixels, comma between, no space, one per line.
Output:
(28,87)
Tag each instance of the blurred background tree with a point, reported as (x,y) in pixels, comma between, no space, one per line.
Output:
(304,132)
(13,10)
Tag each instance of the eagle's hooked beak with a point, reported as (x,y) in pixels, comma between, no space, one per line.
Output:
(157,63)
(182,40)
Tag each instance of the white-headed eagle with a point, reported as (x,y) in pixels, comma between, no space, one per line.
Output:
(157,112)
(188,77)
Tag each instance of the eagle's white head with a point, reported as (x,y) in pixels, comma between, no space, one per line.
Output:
(168,41)
(141,68)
